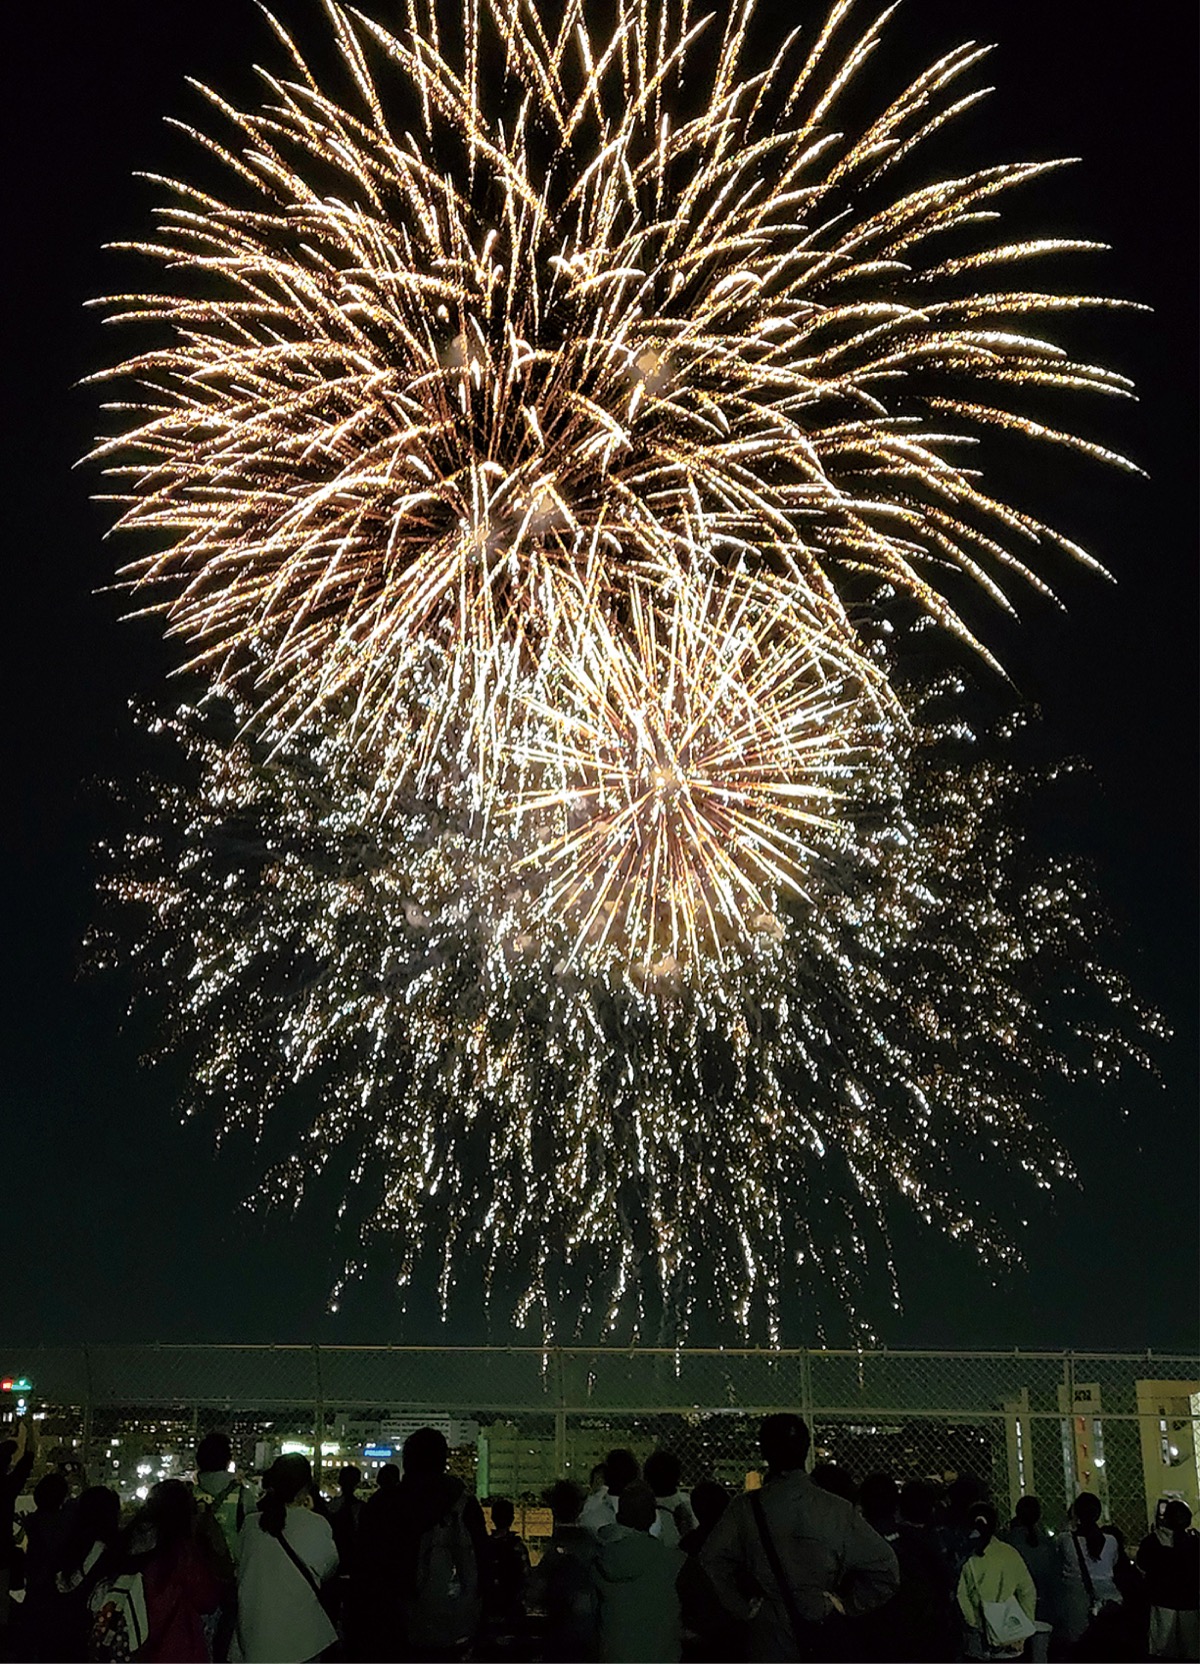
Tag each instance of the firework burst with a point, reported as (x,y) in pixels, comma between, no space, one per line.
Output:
(530,434)
(557,332)
(694,769)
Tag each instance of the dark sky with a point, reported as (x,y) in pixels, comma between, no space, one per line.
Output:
(120,1224)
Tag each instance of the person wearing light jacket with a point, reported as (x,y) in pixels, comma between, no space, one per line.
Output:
(636,1577)
(993,1572)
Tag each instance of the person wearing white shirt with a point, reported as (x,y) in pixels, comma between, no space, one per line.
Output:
(675,1517)
(1088,1557)
(285,1555)
(600,1510)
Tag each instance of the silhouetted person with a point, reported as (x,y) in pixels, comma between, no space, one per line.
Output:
(46,1532)
(709,1500)
(954,1527)
(87,1555)
(789,1557)
(838,1481)
(926,1592)
(1169,1559)
(345,1511)
(344,1514)
(879,1634)
(422,1544)
(505,1574)
(636,1576)
(1088,1555)
(562,1586)
(1037,1548)
(675,1517)
(600,1510)
(16,1464)
(710,1633)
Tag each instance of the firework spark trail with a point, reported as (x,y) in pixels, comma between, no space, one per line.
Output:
(520,452)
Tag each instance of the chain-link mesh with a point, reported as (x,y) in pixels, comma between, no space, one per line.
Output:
(1122,1425)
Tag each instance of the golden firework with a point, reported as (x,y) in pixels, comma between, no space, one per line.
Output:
(694,769)
(555,310)
(533,440)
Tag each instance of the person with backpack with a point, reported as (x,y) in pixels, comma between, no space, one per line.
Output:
(637,1577)
(88,1554)
(422,1544)
(441,1545)
(223,1503)
(163,1582)
(285,1558)
(219,1492)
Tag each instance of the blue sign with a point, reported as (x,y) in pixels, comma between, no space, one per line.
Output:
(377,1452)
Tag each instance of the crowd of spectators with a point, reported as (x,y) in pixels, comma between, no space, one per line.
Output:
(804,1565)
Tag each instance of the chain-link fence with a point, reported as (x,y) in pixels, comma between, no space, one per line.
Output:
(1122,1425)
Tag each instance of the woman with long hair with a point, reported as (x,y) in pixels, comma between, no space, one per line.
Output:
(178,1580)
(285,1557)
(1089,1558)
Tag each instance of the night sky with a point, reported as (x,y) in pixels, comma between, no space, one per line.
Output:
(120,1224)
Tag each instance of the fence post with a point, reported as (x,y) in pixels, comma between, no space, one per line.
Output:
(318,1415)
(560,1417)
(1070,1477)
(807,1408)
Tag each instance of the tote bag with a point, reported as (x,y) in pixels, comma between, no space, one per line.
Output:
(1006,1623)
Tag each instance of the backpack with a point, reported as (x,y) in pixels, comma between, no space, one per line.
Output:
(220,1524)
(119,1626)
(444,1606)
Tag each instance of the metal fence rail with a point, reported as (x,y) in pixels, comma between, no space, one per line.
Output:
(1122,1424)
